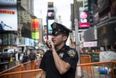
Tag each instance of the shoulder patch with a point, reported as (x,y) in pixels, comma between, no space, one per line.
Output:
(72,53)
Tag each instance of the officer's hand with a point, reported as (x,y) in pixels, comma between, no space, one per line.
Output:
(50,44)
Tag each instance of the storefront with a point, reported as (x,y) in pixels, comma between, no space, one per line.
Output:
(107,33)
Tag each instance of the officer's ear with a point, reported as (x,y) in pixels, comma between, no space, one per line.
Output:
(65,37)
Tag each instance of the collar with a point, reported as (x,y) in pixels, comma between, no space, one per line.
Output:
(63,49)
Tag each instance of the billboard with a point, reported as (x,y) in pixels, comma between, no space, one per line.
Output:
(8,15)
(8,2)
(35,29)
(83,18)
(90,34)
(49,26)
(90,44)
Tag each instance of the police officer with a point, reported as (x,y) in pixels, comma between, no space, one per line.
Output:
(61,60)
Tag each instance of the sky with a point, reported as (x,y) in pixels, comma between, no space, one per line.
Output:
(62,10)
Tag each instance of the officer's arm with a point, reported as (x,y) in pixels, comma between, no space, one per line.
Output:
(61,65)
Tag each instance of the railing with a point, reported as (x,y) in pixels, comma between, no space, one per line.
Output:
(35,73)
(98,70)
(88,70)
(26,70)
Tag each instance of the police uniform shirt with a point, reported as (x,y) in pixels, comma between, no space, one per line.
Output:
(68,55)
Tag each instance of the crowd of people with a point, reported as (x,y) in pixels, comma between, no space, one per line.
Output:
(28,55)
(8,60)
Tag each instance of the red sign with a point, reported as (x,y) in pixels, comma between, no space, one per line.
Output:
(82,25)
(5,11)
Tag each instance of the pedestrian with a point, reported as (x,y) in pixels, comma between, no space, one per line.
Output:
(21,57)
(60,60)
(17,57)
(1,25)
(32,55)
(25,58)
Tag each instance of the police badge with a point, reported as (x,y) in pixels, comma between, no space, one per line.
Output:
(71,53)
(61,55)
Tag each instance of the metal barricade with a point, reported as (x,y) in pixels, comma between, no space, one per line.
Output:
(35,73)
(98,70)
(26,70)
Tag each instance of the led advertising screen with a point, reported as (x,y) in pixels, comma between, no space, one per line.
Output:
(49,26)
(8,15)
(35,35)
(83,20)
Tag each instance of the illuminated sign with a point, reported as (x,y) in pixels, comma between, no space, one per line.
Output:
(35,35)
(35,24)
(86,24)
(83,20)
(6,11)
(90,44)
(51,14)
(49,26)
(83,15)
(8,15)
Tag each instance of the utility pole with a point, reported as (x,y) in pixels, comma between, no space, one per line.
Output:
(77,35)
(76,24)
(77,46)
